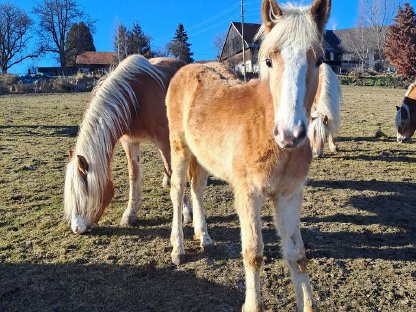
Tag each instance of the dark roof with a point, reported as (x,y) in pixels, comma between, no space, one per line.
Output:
(350,39)
(250,31)
(331,42)
(96,58)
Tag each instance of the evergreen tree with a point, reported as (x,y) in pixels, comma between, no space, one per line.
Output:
(400,46)
(138,42)
(179,46)
(132,41)
(78,41)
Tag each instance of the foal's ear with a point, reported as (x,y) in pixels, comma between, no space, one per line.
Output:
(270,10)
(82,165)
(320,11)
(326,119)
(70,154)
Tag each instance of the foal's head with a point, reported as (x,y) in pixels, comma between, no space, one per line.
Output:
(405,128)
(88,191)
(289,57)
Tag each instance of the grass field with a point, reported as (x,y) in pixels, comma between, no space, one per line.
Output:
(358,223)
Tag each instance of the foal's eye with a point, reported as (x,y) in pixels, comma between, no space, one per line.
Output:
(268,63)
(319,61)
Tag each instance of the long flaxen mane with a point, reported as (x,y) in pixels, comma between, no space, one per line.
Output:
(327,103)
(106,119)
(295,28)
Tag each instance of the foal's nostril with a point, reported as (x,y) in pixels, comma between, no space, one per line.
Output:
(300,132)
(276,131)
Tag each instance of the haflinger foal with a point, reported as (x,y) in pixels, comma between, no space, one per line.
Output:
(254,136)
(127,106)
(406,115)
(325,114)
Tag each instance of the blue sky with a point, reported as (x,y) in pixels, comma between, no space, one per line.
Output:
(203,19)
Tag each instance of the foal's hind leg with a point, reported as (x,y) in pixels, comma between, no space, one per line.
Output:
(331,143)
(199,177)
(180,163)
(132,152)
(287,209)
(164,150)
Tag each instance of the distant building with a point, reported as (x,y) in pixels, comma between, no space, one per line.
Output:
(56,71)
(95,61)
(232,51)
(341,47)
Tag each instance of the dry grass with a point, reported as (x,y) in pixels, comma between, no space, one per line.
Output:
(358,224)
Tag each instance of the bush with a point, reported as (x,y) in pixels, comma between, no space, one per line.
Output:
(393,81)
(10,84)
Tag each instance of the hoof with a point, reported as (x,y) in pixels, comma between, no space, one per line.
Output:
(178,259)
(129,221)
(208,246)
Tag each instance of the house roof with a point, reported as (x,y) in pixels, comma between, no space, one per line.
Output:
(96,58)
(250,31)
(344,40)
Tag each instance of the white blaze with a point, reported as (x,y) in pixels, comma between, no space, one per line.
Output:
(292,98)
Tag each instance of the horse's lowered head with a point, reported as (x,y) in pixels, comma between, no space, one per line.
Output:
(289,56)
(318,133)
(406,115)
(88,191)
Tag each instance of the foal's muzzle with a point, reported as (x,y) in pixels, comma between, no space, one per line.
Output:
(290,138)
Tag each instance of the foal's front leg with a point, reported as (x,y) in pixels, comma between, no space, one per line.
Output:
(132,151)
(287,209)
(248,208)
(331,143)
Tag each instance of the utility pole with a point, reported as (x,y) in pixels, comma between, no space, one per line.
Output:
(242,40)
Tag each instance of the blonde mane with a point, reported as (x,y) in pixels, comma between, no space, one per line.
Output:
(330,97)
(410,89)
(294,28)
(106,119)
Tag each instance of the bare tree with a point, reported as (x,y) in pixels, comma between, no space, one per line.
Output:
(218,43)
(121,42)
(14,36)
(55,19)
(357,40)
(376,15)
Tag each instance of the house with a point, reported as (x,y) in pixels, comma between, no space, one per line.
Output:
(232,51)
(56,71)
(344,49)
(95,61)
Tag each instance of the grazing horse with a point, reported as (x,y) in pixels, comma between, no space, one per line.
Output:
(128,105)
(254,137)
(406,115)
(324,121)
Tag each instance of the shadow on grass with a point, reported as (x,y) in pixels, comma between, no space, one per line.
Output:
(384,156)
(366,139)
(43,131)
(396,211)
(75,287)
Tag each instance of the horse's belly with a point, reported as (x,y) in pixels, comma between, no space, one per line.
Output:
(214,156)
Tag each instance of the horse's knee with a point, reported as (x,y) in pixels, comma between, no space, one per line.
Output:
(252,259)
(299,264)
